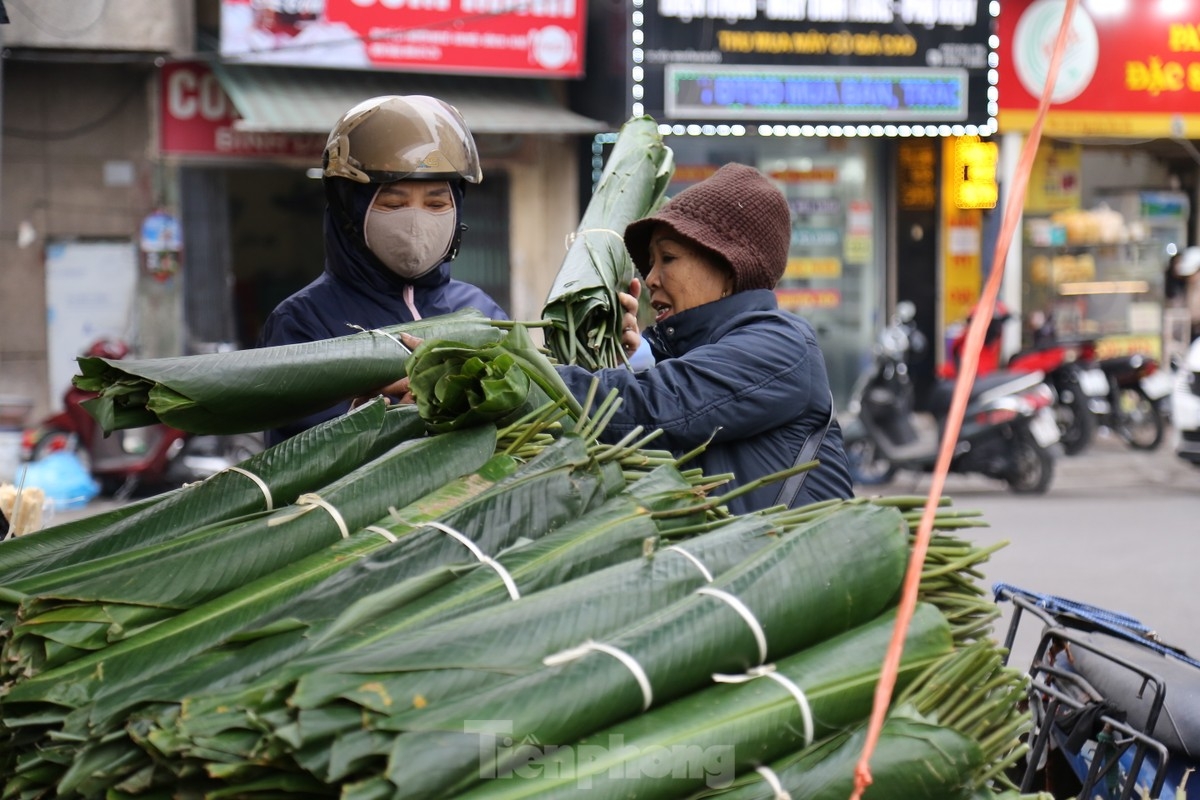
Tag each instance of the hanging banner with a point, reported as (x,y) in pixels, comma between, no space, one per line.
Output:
(1129,72)
(540,38)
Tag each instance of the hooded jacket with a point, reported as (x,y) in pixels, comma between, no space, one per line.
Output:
(746,375)
(356,289)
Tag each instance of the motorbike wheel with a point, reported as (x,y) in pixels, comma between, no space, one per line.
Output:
(1076,422)
(867,466)
(1139,419)
(1033,465)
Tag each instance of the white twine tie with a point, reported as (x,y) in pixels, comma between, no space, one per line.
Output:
(571,237)
(697,562)
(384,532)
(773,781)
(306,503)
(745,613)
(576,653)
(259,482)
(378,332)
(484,559)
(769,671)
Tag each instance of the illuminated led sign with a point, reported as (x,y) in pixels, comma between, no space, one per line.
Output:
(803,68)
(800,93)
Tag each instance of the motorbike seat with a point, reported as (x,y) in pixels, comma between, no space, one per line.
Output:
(1178,726)
(943,391)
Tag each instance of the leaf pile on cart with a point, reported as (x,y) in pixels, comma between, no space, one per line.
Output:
(474,596)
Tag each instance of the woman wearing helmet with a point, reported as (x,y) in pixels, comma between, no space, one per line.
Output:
(395,169)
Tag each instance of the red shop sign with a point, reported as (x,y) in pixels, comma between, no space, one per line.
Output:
(1132,68)
(535,38)
(197,119)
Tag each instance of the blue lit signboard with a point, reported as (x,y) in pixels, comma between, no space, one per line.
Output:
(831,93)
(905,62)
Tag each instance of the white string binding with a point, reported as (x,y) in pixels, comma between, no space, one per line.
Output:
(378,332)
(769,671)
(384,532)
(576,653)
(571,237)
(773,781)
(259,482)
(306,503)
(484,559)
(708,577)
(745,613)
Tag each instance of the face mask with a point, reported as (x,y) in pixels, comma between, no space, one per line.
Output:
(409,241)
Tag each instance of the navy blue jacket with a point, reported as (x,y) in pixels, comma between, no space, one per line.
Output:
(746,374)
(357,289)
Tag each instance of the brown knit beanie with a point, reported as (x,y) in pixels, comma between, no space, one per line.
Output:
(738,214)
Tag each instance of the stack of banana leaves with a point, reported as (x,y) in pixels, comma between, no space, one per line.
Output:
(474,597)
(582,310)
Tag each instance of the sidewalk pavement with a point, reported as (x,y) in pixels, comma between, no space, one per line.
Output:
(1107,466)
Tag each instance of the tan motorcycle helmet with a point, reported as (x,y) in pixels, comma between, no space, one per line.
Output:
(402,137)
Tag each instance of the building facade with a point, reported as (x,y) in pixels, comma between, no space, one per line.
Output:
(159,163)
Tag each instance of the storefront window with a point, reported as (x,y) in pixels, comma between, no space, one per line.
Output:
(834,276)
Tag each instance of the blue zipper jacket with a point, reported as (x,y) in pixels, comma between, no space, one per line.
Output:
(745,374)
(356,289)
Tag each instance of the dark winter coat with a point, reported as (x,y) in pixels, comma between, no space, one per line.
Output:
(356,289)
(746,374)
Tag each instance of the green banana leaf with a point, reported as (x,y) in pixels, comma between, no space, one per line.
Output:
(188,570)
(260,389)
(415,545)
(436,662)
(300,464)
(840,573)
(914,759)
(582,307)
(711,735)
(574,547)
(371,488)
(952,731)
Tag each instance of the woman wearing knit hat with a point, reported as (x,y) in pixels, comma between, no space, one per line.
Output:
(732,369)
(732,372)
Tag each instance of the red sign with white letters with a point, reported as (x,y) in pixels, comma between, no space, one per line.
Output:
(535,38)
(197,119)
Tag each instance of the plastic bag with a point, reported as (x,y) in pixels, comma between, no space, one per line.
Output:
(64,479)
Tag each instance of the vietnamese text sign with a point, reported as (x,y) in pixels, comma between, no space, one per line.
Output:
(542,38)
(772,61)
(1128,73)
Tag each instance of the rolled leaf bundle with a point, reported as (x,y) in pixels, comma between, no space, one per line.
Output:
(260,389)
(710,735)
(457,385)
(837,574)
(300,464)
(582,307)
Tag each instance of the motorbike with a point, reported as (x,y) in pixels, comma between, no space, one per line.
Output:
(149,458)
(1081,390)
(1008,430)
(1113,706)
(1138,391)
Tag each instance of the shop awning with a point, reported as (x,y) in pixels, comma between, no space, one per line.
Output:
(294,100)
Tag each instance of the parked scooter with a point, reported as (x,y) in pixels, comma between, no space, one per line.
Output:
(1114,708)
(1138,389)
(1008,430)
(1080,389)
(153,457)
